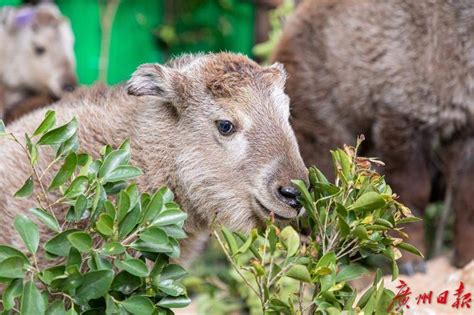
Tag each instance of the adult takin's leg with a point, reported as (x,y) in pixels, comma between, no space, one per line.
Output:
(459,162)
(404,147)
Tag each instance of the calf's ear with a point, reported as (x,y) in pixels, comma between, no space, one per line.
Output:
(164,83)
(278,73)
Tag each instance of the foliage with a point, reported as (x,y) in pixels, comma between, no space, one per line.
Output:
(277,18)
(110,253)
(355,217)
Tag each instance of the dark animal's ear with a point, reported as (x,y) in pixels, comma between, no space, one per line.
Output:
(21,19)
(159,81)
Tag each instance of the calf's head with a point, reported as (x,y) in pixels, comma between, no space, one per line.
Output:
(40,51)
(236,152)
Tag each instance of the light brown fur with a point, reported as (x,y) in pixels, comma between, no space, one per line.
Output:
(36,57)
(401,72)
(169,114)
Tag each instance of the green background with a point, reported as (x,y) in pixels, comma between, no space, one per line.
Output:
(144,31)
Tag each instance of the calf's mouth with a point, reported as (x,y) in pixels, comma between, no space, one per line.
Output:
(267,212)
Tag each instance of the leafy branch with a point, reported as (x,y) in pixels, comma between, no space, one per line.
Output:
(111,252)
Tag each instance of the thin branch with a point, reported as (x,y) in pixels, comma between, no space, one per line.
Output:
(234,265)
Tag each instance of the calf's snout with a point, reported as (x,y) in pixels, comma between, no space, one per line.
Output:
(289,195)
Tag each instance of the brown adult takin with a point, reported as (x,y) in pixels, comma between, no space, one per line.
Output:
(402,73)
(36,58)
(214,128)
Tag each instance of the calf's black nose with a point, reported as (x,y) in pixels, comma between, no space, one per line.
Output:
(289,195)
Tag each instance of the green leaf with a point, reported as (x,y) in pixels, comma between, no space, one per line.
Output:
(56,308)
(169,217)
(327,260)
(105,224)
(47,123)
(133,266)
(125,145)
(316,176)
(154,235)
(52,273)
(408,220)
(13,291)
(383,222)
(80,206)
(60,134)
(280,307)
(139,305)
(65,172)
(394,270)
(272,239)
(154,206)
(99,199)
(28,231)
(70,145)
(59,245)
(291,240)
(175,249)
(126,283)
(350,272)
(306,196)
(174,302)
(12,268)
(368,202)
(361,233)
(143,246)
(174,272)
(123,206)
(101,263)
(174,231)
(130,221)
(8,251)
(230,240)
(32,149)
(113,248)
(77,187)
(112,161)
(47,219)
(81,241)
(169,286)
(343,226)
(246,245)
(26,190)
(94,285)
(345,164)
(124,172)
(32,302)
(299,272)
(409,248)
(110,306)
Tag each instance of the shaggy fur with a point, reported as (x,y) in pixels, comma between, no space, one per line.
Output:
(169,113)
(401,72)
(36,57)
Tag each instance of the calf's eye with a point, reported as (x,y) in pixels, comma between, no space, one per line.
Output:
(225,127)
(39,50)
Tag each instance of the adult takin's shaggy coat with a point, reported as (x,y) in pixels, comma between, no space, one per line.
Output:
(214,128)
(402,73)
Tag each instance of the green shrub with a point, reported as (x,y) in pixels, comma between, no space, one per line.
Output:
(112,252)
(356,217)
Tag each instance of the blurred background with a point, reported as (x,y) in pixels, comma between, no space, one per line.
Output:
(113,37)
